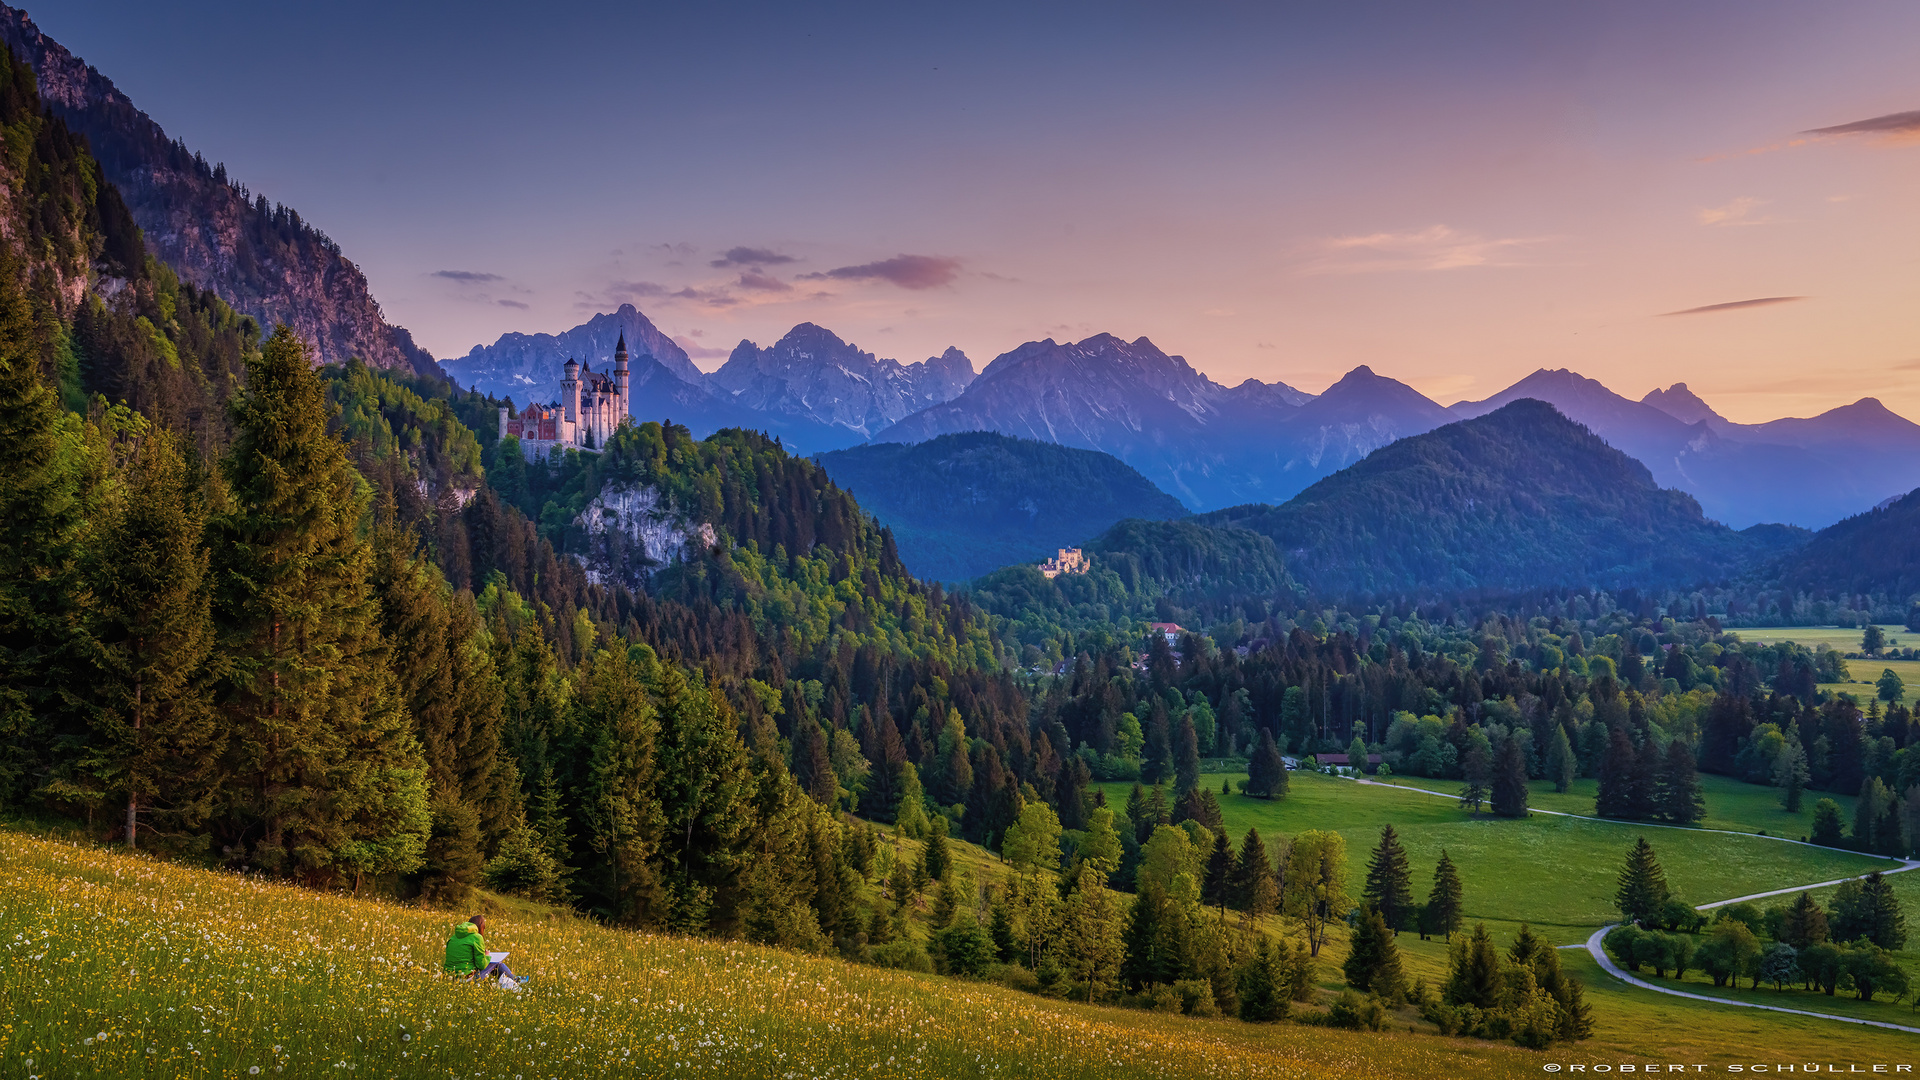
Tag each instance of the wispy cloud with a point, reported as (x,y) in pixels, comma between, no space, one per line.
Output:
(753,279)
(512,304)
(467,277)
(1440,247)
(751,256)
(1738,212)
(1899,129)
(1735,305)
(906,271)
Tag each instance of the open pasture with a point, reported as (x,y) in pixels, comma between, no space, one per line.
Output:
(1557,873)
(120,967)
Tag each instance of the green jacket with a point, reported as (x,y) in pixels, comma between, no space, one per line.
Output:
(466,950)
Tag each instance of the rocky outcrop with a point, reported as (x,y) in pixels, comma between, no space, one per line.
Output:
(632,532)
(259,257)
(810,373)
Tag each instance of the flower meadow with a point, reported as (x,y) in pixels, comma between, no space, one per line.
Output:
(120,966)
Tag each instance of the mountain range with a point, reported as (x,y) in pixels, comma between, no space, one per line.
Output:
(962,505)
(1209,445)
(260,258)
(812,389)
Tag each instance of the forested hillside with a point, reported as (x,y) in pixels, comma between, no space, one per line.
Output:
(962,505)
(1875,553)
(1518,499)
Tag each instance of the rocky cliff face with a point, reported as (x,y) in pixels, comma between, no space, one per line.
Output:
(526,367)
(811,373)
(260,258)
(632,532)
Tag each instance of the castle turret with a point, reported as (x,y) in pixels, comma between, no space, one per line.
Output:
(623,406)
(570,391)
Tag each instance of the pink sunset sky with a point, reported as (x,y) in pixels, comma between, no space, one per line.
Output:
(1455,197)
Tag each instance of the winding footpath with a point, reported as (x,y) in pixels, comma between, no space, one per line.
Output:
(1606,962)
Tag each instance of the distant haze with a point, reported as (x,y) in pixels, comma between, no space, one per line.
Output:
(1454,194)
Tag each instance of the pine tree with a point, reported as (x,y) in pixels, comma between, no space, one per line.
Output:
(1562,765)
(1790,775)
(620,806)
(703,788)
(935,857)
(1389,887)
(1643,798)
(1158,764)
(1614,796)
(48,483)
(1678,786)
(1141,939)
(454,699)
(1444,900)
(153,633)
(326,772)
(1186,758)
(1642,884)
(1886,924)
(1827,824)
(1262,998)
(1510,780)
(1804,924)
(812,769)
(1474,975)
(1217,888)
(1478,770)
(1253,887)
(1266,772)
(1373,959)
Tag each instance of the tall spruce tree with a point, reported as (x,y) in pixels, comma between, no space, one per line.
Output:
(704,784)
(1266,772)
(1562,765)
(1373,959)
(620,803)
(48,483)
(1510,780)
(454,697)
(1186,758)
(1217,888)
(327,778)
(1474,973)
(1613,798)
(1478,769)
(1642,885)
(1254,889)
(1444,900)
(1643,795)
(1678,785)
(152,628)
(1389,887)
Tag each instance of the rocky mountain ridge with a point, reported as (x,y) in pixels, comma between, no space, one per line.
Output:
(260,258)
(811,373)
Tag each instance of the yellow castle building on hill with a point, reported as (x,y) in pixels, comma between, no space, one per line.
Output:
(1068,561)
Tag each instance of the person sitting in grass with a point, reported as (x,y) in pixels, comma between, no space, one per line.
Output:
(467,954)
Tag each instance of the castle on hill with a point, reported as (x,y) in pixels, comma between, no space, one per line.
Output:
(1068,561)
(592,405)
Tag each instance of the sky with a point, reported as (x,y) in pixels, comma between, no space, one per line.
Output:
(1454,195)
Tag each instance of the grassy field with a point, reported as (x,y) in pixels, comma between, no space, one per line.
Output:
(1730,804)
(1846,639)
(121,967)
(1557,873)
